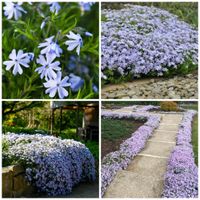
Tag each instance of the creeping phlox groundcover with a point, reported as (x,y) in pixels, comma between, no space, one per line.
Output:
(50,50)
(181,178)
(118,160)
(53,165)
(141,40)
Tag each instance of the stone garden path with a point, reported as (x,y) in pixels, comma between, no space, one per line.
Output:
(145,175)
(178,87)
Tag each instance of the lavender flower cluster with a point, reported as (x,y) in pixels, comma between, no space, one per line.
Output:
(142,40)
(181,178)
(118,160)
(56,165)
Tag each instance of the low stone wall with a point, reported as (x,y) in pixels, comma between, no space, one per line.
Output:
(14,183)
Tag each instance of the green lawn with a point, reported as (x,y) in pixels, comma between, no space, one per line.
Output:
(195,138)
(194,131)
(113,129)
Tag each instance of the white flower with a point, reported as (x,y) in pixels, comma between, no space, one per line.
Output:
(48,67)
(75,42)
(54,7)
(17,60)
(13,9)
(57,85)
(50,47)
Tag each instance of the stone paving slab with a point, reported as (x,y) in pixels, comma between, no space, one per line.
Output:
(168,128)
(158,149)
(128,184)
(139,165)
(164,136)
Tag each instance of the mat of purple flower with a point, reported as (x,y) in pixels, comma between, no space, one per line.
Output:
(53,165)
(118,160)
(181,178)
(141,40)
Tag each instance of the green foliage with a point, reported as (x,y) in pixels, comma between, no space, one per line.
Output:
(114,77)
(195,138)
(94,148)
(69,134)
(16,129)
(113,129)
(26,34)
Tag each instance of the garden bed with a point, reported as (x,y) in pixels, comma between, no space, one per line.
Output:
(112,134)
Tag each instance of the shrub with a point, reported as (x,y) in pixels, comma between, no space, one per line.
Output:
(53,165)
(169,106)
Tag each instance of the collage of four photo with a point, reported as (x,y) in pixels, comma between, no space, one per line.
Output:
(99,99)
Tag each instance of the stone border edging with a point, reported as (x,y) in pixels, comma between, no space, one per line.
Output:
(118,160)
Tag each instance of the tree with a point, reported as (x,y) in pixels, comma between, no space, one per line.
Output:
(13,107)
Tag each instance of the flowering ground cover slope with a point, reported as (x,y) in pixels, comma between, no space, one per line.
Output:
(52,165)
(181,178)
(141,40)
(118,160)
(50,50)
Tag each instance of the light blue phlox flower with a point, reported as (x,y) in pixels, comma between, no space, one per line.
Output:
(54,7)
(88,34)
(48,68)
(95,88)
(76,82)
(57,84)
(16,60)
(74,42)
(85,6)
(50,47)
(13,10)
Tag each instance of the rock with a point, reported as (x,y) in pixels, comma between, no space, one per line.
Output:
(174,88)
(126,97)
(7,182)
(173,95)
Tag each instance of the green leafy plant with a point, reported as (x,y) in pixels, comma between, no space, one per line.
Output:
(28,33)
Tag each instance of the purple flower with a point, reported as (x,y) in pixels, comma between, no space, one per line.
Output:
(181,178)
(50,47)
(54,7)
(140,40)
(53,166)
(118,160)
(48,68)
(57,84)
(76,82)
(74,42)
(13,10)
(17,59)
